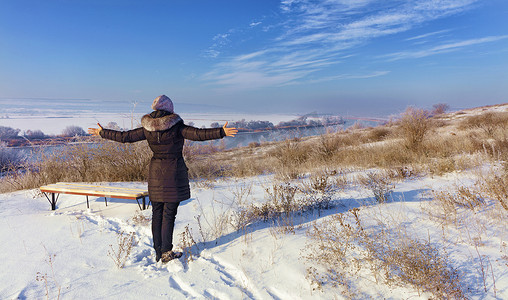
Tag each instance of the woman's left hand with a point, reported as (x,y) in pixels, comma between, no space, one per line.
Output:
(229,131)
(95,131)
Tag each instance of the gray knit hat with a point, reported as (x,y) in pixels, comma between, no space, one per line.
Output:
(163,103)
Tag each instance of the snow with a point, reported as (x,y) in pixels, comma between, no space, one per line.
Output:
(67,249)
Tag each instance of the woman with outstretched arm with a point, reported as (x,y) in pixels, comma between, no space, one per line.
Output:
(168,180)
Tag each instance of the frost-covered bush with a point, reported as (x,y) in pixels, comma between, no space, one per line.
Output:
(34,134)
(73,130)
(8,133)
(9,157)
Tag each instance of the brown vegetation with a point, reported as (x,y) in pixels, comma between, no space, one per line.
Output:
(412,142)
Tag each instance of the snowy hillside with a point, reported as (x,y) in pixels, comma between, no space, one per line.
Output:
(64,254)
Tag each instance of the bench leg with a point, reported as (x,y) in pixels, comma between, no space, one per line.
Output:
(144,203)
(53,201)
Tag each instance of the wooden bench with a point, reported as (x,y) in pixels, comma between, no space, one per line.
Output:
(93,190)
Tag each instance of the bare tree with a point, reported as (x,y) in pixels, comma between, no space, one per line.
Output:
(73,130)
(8,132)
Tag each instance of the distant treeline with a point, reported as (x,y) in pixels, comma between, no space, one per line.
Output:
(303,121)
(14,137)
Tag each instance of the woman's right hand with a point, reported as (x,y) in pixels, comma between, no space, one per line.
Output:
(95,131)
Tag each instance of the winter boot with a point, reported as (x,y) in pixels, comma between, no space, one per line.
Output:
(158,254)
(170,255)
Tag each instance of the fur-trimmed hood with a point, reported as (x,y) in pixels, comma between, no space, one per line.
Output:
(161,123)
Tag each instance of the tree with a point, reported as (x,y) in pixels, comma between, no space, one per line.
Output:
(73,130)
(439,109)
(34,134)
(113,126)
(9,157)
(8,133)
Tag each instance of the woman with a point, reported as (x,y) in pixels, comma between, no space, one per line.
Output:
(168,180)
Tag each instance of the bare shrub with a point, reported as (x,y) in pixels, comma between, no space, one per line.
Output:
(327,146)
(284,202)
(281,198)
(378,133)
(488,122)
(250,166)
(254,144)
(496,187)
(239,218)
(402,172)
(9,158)
(192,148)
(205,169)
(423,266)
(357,125)
(125,241)
(187,242)
(215,220)
(379,183)
(290,155)
(50,281)
(201,165)
(140,219)
(319,191)
(414,125)
(73,130)
(343,248)
(446,204)
(34,134)
(8,133)
(443,209)
(385,155)
(441,166)
(439,109)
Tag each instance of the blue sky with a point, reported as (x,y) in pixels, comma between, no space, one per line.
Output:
(346,56)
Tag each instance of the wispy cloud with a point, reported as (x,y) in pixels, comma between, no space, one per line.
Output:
(426,35)
(315,35)
(219,41)
(444,48)
(351,76)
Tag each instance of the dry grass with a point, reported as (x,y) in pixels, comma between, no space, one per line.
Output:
(187,243)
(495,187)
(346,250)
(489,123)
(102,161)
(414,125)
(379,183)
(412,142)
(125,243)
(83,162)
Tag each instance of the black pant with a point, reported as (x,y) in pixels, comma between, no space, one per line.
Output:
(163,224)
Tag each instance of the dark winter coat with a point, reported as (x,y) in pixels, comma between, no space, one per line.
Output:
(168,180)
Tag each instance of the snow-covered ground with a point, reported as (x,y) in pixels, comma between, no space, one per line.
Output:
(64,253)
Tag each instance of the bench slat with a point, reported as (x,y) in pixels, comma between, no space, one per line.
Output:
(67,184)
(82,189)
